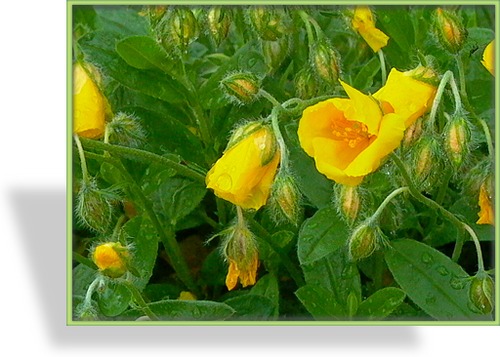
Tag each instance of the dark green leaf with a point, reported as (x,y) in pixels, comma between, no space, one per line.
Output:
(251,307)
(432,280)
(364,77)
(120,21)
(143,52)
(186,310)
(82,278)
(268,286)
(321,235)
(320,303)
(213,270)
(381,304)
(113,299)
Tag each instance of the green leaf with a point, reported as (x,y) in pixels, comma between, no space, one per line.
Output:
(432,280)
(321,235)
(113,299)
(186,310)
(143,52)
(83,276)
(365,75)
(99,48)
(120,21)
(267,286)
(320,303)
(141,232)
(381,304)
(251,307)
(213,270)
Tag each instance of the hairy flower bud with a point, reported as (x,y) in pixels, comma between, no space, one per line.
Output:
(306,85)
(364,240)
(325,61)
(94,206)
(413,133)
(275,52)
(111,258)
(271,23)
(348,202)
(481,293)
(178,28)
(450,31)
(426,160)
(219,21)
(241,87)
(457,139)
(125,129)
(285,199)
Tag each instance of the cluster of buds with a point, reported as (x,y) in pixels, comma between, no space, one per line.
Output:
(449,29)
(241,87)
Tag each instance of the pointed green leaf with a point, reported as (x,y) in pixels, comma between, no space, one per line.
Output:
(268,286)
(251,307)
(143,52)
(113,299)
(320,303)
(432,280)
(381,304)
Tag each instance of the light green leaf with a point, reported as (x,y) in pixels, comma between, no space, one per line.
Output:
(320,303)
(143,52)
(321,235)
(113,299)
(268,286)
(433,281)
(251,307)
(381,304)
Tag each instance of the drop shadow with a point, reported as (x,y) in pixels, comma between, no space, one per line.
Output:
(41,216)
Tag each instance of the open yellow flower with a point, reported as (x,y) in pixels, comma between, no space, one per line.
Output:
(486,213)
(364,24)
(348,138)
(488,60)
(89,106)
(245,173)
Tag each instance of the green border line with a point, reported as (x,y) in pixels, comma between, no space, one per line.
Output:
(69,177)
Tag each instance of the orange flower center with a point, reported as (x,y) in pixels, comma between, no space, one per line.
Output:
(352,132)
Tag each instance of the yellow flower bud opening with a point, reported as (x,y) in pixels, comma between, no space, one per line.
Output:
(111,259)
(488,60)
(245,173)
(451,33)
(486,213)
(89,106)
(364,24)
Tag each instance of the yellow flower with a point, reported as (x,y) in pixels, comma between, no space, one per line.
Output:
(364,24)
(409,94)
(111,259)
(348,138)
(245,173)
(89,106)
(489,57)
(246,275)
(486,214)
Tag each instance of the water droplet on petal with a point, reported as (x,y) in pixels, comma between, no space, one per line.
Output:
(224,182)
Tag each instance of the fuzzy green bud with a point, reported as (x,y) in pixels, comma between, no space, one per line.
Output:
(364,240)
(94,207)
(112,259)
(125,129)
(457,139)
(219,21)
(481,293)
(271,23)
(178,28)
(285,199)
(306,85)
(325,61)
(449,29)
(241,87)
(413,133)
(242,131)
(154,13)
(426,160)
(348,202)
(275,52)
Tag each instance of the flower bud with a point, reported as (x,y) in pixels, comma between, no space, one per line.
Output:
(457,139)
(413,133)
(285,199)
(275,52)
(125,129)
(348,202)
(364,240)
(111,259)
(485,202)
(325,61)
(89,105)
(154,13)
(426,160)
(450,31)
(94,207)
(178,28)
(242,131)
(271,23)
(306,85)
(481,293)
(219,21)
(239,248)
(242,87)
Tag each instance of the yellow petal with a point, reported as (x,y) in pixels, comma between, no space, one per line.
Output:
(409,97)
(364,24)
(232,275)
(488,60)
(89,106)
(486,213)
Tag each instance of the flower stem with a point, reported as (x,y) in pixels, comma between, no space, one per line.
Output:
(382,66)
(144,156)
(461,75)
(140,301)
(83,162)
(388,199)
(447,77)
(447,214)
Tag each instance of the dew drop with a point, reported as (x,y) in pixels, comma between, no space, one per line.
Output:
(430,300)
(442,270)
(427,259)
(457,283)
(224,182)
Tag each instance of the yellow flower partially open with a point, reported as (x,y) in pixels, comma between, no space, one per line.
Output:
(245,173)
(488,60)
(364,24)
(486,213)
(348,138)
(89,106)
(111,259)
